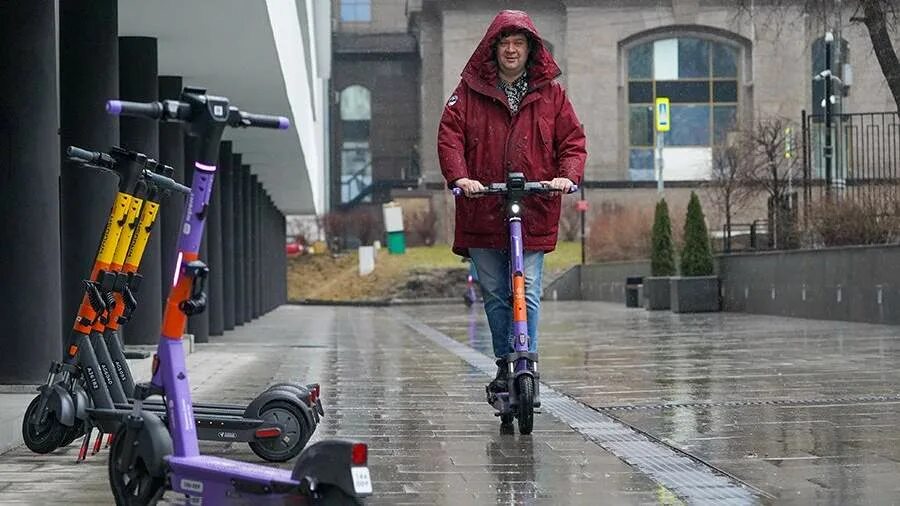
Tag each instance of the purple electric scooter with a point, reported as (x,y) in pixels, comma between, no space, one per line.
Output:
(523,392)
(147,457)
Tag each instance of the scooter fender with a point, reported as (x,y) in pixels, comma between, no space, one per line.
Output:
(154,444)
(255,407)
(513,380)
(60,402)
(327,462)
(82,403)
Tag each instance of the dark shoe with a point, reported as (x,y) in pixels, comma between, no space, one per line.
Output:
(501,382)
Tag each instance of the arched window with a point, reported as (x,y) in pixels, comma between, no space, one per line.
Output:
(356,155)
(700,78)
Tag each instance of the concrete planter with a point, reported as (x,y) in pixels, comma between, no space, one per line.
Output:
(656,293)
(695,294)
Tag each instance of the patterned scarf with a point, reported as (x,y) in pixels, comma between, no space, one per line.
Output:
(515,91)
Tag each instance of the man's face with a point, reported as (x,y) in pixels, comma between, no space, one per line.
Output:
(512,53)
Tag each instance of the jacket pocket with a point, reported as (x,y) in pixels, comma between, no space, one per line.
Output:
(547,160)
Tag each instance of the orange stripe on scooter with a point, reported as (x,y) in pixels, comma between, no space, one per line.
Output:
(519,314)
(175,320)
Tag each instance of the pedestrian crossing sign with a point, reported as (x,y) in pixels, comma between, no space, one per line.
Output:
(662,114)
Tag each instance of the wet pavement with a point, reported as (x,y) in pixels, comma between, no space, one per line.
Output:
(804,410)
(784,411)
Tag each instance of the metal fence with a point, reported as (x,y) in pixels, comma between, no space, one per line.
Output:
(865,159)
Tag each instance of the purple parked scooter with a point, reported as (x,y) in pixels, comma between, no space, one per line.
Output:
(523,392)
(147,457)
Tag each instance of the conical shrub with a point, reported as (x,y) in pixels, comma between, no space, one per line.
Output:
(696,257)
(662,255)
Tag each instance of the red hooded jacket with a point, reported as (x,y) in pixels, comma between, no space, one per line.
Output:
(479,138)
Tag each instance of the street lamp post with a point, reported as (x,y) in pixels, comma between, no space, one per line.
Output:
(828,76)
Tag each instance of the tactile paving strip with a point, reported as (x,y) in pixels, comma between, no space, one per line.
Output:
(687,477)
(831,401)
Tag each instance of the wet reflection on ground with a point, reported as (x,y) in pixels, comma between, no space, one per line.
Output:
(802,409)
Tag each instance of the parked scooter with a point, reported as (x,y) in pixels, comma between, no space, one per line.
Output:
(146,456)
(277,424)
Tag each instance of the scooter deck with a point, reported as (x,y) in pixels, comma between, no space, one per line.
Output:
(215,478)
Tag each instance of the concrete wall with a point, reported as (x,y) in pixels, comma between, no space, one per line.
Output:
(604,282)
(860,283)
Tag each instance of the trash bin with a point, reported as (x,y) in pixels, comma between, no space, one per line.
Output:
(632,291)
(393,226)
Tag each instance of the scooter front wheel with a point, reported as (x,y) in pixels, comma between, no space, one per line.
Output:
(131,482)
(47,434)
(525,385)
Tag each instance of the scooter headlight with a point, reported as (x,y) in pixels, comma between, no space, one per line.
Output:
(515,209)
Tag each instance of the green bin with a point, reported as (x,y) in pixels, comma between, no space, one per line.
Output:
(396,242)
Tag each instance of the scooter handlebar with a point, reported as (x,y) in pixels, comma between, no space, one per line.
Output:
(501,188)
(90,156)
(153,110)
(246,119)
(165,183)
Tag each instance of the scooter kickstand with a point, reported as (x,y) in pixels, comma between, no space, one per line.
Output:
(82,453)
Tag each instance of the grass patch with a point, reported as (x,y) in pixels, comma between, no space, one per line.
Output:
(325,278)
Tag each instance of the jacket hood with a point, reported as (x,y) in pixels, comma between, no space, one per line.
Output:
(481,70)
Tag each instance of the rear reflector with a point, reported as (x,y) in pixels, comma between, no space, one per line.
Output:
(359,455)
(268,432)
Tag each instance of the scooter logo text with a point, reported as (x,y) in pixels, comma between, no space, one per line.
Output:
(106,375)
(92,378)
(119,370)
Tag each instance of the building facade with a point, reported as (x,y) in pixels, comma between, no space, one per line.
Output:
(375,101)
(722,67)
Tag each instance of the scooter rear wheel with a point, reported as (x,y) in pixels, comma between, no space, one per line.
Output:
(525,386)
(42,437)
(291,441)
(135,486)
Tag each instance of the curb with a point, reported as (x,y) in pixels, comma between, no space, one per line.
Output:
(374,302)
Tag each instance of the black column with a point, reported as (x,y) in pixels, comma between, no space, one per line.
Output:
(277,252)
(225,178)
(282,273)
(240,286)
(267,254)
(171,214)
(215,283)
(198,325)
(138,81)
(29,193)
(268,246)
(254,245)
(88,77)
(248,249)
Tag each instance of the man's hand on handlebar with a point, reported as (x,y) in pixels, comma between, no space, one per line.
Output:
(559,183)
(469,186)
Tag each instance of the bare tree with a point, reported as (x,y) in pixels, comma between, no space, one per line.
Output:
(879,17)
(731,187)
(771,171)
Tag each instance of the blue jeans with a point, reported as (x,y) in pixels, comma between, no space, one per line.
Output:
(493,274)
